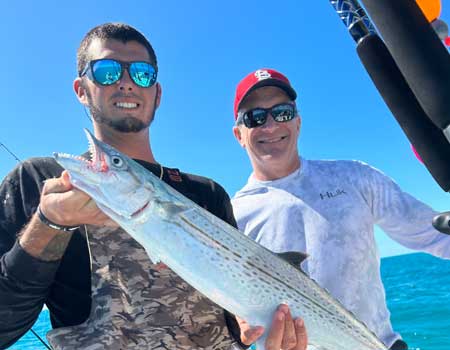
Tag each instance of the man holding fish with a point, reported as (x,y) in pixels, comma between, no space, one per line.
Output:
(58,248)
(326,209)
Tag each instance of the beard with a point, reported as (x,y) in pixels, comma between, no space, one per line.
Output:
(125,124)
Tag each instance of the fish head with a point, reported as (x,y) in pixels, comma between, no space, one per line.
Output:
(121,187)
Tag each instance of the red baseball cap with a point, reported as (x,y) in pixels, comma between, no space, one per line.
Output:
(259,78)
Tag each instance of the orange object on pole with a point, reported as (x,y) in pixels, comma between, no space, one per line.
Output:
(430,8)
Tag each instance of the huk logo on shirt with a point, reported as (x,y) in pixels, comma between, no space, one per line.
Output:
(331,195)
(262,74)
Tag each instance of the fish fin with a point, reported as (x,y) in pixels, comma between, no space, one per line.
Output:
(171,209)
(293,258)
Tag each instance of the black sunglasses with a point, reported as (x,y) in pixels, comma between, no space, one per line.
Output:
(107,72)
(255,117)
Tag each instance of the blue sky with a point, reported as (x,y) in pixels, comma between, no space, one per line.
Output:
(203,51)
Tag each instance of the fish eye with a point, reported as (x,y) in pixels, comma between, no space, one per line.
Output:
(117,161)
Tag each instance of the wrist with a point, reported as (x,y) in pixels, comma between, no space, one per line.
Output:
(43,219)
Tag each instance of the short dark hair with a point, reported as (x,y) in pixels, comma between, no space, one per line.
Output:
(117,31)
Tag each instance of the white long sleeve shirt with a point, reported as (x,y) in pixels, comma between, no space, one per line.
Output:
(328,210)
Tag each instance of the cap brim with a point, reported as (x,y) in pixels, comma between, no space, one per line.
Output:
(271,82)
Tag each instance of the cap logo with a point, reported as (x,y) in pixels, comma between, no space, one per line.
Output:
(262,74)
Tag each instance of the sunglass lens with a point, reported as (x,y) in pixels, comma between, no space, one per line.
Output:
(255,118)
(283,113)
(106,72)
(143,74)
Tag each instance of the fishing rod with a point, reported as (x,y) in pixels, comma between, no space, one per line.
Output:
(31,329)
(419,54)
(427,138)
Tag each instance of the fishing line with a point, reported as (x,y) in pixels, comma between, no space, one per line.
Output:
(42,341)
(86,113)
(10,152)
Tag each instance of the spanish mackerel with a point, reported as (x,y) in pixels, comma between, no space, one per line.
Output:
(223,264)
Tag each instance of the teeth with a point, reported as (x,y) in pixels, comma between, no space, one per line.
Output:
(273,140)
(70,156)
(92,150)
(126,104)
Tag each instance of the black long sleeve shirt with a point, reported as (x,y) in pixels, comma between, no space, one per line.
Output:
(27,283)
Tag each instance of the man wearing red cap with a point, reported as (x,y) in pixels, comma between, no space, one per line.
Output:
(327,209)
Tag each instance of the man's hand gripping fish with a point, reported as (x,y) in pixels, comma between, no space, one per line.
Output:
(226,266)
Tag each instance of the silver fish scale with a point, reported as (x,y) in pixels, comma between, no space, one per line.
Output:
(226,266)
(243,260)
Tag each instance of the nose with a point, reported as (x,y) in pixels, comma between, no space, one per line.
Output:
(125,82)
(270,122)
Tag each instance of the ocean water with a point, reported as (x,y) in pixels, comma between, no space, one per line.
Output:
(417,291)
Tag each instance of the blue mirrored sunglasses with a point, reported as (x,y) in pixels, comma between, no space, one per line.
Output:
(256,117)
(107,72)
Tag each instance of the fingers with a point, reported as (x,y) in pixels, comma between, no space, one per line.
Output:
(57,185)
(65,178)
(302,337)
(66,205)
(276,332)
(285,333)
(289,336)
(249,334)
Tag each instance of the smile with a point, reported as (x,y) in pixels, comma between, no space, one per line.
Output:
(278,139)
(126,105)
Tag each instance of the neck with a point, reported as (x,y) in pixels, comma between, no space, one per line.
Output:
(134,145)
(275,171)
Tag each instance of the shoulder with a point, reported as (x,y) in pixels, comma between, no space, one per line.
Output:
(350,169)
(21,190)
(313,171)
(204,191)
(368,181)
(200,189)
(35,169)
(202,185)
(336,165)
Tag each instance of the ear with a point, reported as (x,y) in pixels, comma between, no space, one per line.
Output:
(238,135)
(80,91)
(158,94)
(299,123)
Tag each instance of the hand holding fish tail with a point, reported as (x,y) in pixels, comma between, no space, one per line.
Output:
(65,206)
(285,332)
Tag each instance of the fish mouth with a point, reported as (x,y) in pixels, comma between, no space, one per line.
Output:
(139,211)
(88,175)
(122,215)
(96,160)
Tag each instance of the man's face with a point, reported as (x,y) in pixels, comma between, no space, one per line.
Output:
(272,147)
(122,106)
